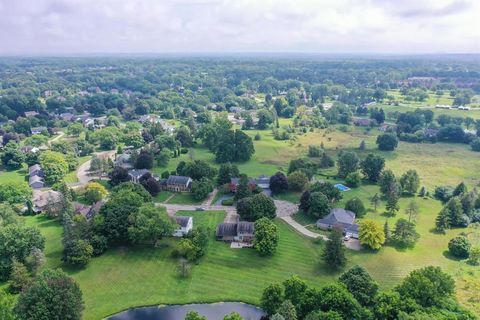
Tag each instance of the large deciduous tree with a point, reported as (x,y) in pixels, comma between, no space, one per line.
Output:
(372,167)
(266,236)
(360,284)
(278,183)
(54,166)
(371,234)
(387,142)
(150,224)
(410,182)
(347,163)
(256,207)
(52,295)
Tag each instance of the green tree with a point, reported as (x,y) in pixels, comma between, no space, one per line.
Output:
(387,142)
(7,304)
(77,252)
(256,207)
(429,287)
(243,189)
(360,284)
(94,192)
(442,222)
(404,234)
(410,182)
(386,231)
(319,205)
(19,277)
(474,257)
(297,181)
(50,286)
(412,211)
(54,166)
(353,179)
(194,315)
(356,205)
(226,172)
(372,167)
(75,129)
(150,224)
(294,289)
(388,183)
(201,188)
(16,242)
(12,157)
(287,310)
(266,236)
(14,192)
(392,204)
(336,298)
(460,189)
(459,247)
(271,299)
(371,234)
(334,252)
(233,316)
(375,201)
(348,162)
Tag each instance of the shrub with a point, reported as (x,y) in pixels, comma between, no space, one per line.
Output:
(353,179)
(227,202)
(475,145)
(459,247)
(356,205)
(387,142)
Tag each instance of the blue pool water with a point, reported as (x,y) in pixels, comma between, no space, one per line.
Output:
(341,187)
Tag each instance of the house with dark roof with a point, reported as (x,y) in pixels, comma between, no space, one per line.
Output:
(363,122)
(341,218)
(38,130)
(36,182)
(185,224)
(242,231)
(35,170)
(67,116)
(124,160)
(178,183)
(136,174)
(43,200)
(88,211)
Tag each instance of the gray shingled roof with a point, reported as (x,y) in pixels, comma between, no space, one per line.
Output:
(179,180)
(338,215)
(35,167)
(137,173)
(226,229)
(245,227)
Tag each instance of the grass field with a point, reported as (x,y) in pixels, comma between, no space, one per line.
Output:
(14,175)
(183,198)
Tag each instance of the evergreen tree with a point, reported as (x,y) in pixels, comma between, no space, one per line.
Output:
(392,204)
(334,253)
(243,189)
(386,231)
(375,201)
(442,221)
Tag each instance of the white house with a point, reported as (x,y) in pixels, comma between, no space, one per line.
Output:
(185,224)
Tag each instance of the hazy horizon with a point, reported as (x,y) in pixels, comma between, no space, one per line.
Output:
(199,27)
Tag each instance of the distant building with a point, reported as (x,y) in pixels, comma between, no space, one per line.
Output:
(67,116)
(35,170)
(363,122)
(137,174)
(38,130)
(185,225)
(242,231)
(36,182)
(341,218)
(30,114)
(177,183)
(123,160)
(45,200)
(262,182)
(88,211)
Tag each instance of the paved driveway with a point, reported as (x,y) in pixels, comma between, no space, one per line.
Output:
(83,174)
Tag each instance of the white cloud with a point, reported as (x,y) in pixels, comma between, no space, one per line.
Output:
(111,26)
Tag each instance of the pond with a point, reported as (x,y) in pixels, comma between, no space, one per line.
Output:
(213,311)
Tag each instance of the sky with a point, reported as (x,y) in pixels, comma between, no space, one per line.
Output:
(46,27)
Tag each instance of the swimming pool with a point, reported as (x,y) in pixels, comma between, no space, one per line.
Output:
(341,187)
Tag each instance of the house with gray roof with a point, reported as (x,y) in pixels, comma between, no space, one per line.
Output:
(137,174)
(185,224)
(242,231)
(178,183)
(38,130)
(35,170)
(341,218)
(36,182)
(124,160)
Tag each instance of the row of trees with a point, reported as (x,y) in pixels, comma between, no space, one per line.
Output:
(427,292)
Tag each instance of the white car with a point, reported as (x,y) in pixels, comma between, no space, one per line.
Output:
(347,237)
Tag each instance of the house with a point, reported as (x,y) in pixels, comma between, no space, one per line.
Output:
(242,231)
(261,182)
(363,122)
(178,183)
(430,133)
(67,116)
(38,130)
(123,160)
(29,149)
(30,114)
(36,182)
(45,200)
(137,174)
(342,218)
(35,170)
(388,127)
(185,225)
(88,211)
